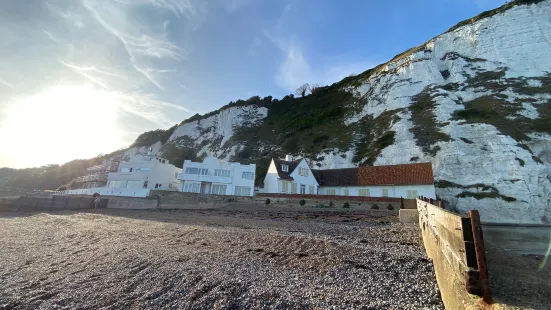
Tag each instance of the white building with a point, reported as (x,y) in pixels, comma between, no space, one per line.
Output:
(217,178)
(407,181)
(290,176)
(145,172)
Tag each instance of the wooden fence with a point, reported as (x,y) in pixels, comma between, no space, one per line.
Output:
(456,246)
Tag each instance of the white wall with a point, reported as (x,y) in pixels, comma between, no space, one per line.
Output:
(212,164)
(377,191)
(160,173)
(271,181)
(309,180)
(108,191)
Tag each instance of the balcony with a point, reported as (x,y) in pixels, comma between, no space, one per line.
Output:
(204,178)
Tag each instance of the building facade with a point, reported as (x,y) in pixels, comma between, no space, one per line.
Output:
(406,181)
(217,178)
(145,172)
(96,176)
(290,176)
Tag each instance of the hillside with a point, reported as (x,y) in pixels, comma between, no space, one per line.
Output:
(474,101)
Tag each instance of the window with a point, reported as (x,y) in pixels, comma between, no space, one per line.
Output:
(285,168)
(331,191)
(311,190)
(144,169)
(242,191)
(191,170)
(385,192)
(363,192)
(191,187)
(302,189)
(204,171)
(346,192)
(115,184)
(412,194)
(134,184)
(247,175)
(221,173)
(303,172)
(284,186)
(218,189)
(158,185)
(294,188)
(125,169)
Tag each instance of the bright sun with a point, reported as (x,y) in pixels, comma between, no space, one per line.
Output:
(59,125)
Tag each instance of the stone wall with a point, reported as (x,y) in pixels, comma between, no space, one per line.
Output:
(29,203)
(181,200)
(133,203)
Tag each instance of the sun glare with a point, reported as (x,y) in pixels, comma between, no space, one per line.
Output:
(58,125)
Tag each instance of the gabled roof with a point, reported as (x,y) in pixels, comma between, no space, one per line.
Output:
(286,175)
(337,177)
(406,174)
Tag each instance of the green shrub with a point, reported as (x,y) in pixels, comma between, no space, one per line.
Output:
(330,203)
(302,202)
(389,207)
(374,206)
(267,201)
(346,205)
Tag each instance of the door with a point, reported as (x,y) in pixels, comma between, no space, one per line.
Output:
(205,188)
(302,189)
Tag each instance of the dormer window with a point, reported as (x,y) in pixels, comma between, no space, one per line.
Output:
(285,168)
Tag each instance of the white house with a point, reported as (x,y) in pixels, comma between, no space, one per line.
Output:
(217,178)
(290,176)
(145,172)
(407,181)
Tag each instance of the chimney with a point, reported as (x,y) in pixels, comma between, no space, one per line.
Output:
(288,158)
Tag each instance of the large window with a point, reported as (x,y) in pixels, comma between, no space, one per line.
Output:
(331,191)
(192,170)
(363,192)
(294,188)
(385,192)
(242,191)
(191,187)
(134,184)
(126,169)
(116,184)
(284,186)
(346,192)
(204,171)
(143,169)
(311,190)
(221,173)
(247,175)
(218,189)
(412,194)
(303,172)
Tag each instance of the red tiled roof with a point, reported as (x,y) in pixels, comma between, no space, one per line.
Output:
(406,174)
(286,175)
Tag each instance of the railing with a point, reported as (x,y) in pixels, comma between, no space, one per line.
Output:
(456,246)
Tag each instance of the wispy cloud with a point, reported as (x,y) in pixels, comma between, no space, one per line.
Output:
(6,83)
(295,69)
(142,43)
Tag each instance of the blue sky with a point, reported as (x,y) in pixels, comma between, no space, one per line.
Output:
(83,77)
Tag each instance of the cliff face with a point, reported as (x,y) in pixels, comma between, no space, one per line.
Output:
(474,101)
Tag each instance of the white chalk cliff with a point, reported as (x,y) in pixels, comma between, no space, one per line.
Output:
(475,101)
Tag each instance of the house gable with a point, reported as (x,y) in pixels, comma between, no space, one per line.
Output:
(296,172)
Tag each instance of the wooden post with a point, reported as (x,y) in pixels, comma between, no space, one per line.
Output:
(480,256)
(402,203)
